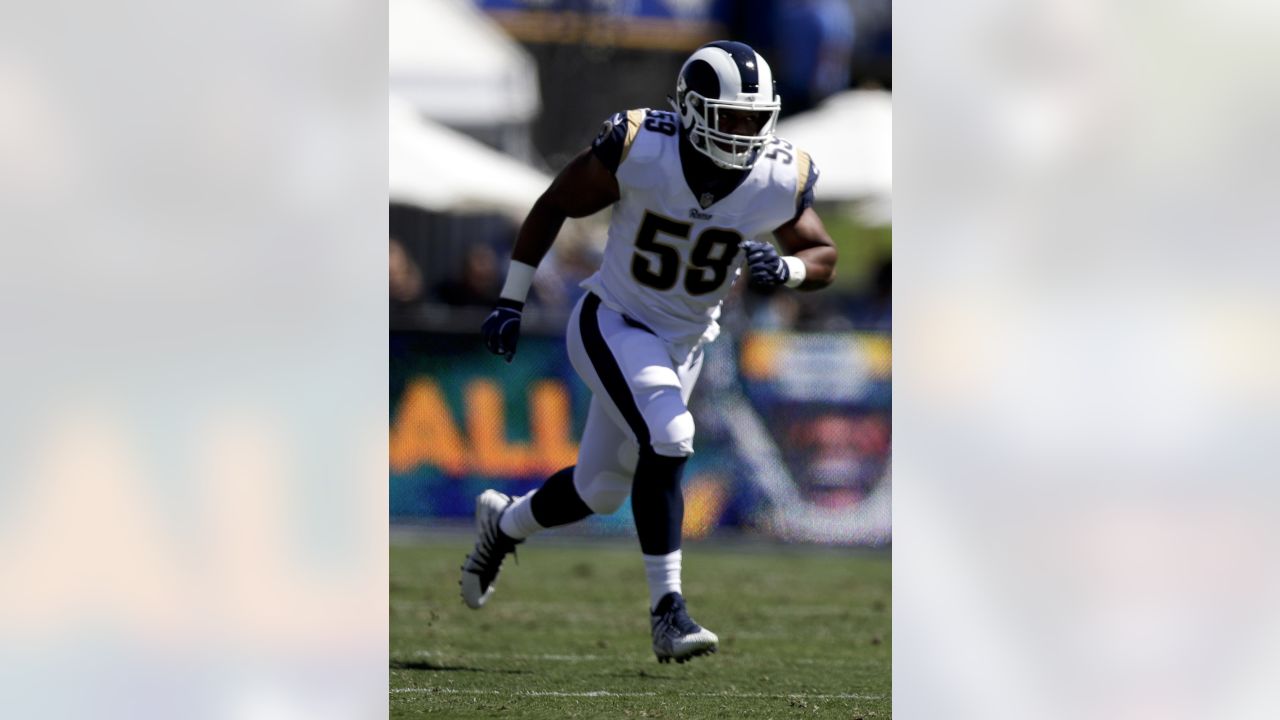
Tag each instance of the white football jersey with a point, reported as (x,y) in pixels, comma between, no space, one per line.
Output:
(671,258)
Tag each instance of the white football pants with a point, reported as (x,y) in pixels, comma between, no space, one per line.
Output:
(639,396)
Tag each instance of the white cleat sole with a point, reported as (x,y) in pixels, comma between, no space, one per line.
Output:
(691,646)
(471,594)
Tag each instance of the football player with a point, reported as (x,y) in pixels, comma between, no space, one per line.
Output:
(695,192)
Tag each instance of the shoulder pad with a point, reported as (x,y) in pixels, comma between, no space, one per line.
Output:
(611,143)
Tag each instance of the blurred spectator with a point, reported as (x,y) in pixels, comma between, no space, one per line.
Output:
(872,61)
(479,281)
(843,457)
(795,311)
(574,257)
(814,45)
(780,311)
(405,280)
(874,310)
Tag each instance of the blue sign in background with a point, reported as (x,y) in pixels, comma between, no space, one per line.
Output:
(463,420)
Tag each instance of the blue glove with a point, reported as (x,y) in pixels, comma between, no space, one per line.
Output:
(501,329)
(766,267)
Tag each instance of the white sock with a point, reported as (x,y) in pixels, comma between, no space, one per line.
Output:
(663,573)
(517,522)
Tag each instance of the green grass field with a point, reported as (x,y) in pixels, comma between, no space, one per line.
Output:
(804,633)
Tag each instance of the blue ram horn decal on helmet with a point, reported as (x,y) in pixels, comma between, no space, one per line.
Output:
(727,102)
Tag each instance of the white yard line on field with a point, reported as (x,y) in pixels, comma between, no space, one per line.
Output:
(512,656)
(524,693)
(610,693)
(634,657)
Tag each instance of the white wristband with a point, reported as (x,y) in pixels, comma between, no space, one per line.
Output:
(519,278)
(797,270)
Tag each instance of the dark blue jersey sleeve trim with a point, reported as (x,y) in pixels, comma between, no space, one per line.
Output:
(611,141)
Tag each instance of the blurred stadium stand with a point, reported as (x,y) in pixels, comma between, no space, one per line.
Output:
(488,100)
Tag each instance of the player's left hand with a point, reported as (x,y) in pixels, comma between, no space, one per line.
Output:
(766,266)
(501,329)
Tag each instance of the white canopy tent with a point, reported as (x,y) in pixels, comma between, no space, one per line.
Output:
(850,136)
(457,66)
(435,168)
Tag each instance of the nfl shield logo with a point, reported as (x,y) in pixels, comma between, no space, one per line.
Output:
(706,199)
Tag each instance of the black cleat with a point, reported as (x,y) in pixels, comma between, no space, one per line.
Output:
(480,571)
(675,635)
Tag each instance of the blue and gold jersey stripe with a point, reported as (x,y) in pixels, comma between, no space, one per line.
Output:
(635,118)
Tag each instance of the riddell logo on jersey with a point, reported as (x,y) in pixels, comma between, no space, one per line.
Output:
(697,214)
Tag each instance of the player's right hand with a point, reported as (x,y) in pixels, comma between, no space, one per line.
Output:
(765,265)
(501,329)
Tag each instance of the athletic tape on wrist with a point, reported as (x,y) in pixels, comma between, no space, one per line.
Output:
(797,270)
(519,278)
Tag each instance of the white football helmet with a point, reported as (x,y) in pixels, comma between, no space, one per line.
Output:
(727,103)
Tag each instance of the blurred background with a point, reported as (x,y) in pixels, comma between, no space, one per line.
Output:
(1086,398)
(487,101)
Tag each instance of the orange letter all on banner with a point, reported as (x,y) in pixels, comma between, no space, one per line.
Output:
(425,432)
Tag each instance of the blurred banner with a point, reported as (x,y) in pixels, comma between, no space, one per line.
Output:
(647,24)
(793,432)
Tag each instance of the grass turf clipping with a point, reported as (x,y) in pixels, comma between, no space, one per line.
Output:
(803,633)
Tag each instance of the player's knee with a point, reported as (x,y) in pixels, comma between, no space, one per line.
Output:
(606,501)
(675,438)
(603,492)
